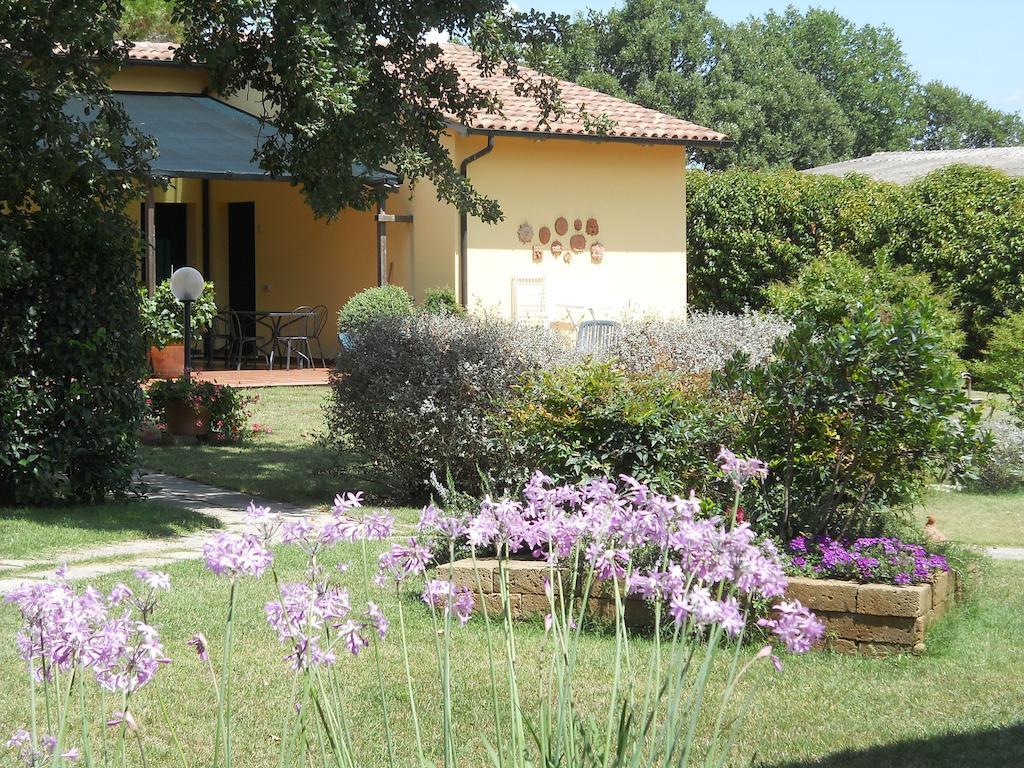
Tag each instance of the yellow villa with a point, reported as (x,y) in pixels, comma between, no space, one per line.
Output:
(594,226)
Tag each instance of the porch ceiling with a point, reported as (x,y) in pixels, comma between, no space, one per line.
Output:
(201,138)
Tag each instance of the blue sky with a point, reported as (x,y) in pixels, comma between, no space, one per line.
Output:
(975,46)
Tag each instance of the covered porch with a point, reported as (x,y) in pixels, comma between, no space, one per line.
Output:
(251,234)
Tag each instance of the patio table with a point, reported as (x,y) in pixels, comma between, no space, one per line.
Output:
(273,321)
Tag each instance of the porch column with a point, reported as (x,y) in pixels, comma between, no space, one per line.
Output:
(382,243)
(150,242)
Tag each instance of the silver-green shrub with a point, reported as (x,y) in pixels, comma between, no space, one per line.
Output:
(413,395)
(704,342)
(1001,466)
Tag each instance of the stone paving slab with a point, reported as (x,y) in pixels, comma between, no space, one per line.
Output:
(1005,553)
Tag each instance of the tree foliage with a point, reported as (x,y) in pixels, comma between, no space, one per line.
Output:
(953,119)
(70,339)
(800,88)
(360,83)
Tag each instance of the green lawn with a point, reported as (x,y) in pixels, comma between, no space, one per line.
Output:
(37,532)
(287,465)
(977,518)
(956,705)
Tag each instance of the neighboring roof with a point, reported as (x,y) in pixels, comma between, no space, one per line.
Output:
(521,114)
(901,167)
(200,137)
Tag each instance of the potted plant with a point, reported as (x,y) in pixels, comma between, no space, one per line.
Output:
(162,319)
(201,408)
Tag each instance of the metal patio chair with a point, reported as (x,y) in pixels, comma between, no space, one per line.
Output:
(319,321)
(596,336)
(246,336)
(295,333)
(221,337)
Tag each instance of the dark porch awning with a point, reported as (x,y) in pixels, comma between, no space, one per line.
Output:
(202,138)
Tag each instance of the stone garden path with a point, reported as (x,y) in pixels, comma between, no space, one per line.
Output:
(226,506)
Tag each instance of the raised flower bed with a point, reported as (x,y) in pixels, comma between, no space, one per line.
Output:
(875,617)
(877,596)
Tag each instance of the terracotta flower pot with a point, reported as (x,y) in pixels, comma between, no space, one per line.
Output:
(169,362)
(183,419)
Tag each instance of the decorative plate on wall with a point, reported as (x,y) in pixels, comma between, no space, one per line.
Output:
(578,243)
(561,225)
(556,249)
(525,233)
(544,235)
(592,228)
(578,225)
(538,254)
(596,253)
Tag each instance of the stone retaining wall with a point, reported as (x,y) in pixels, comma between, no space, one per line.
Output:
(874,619)
(866,619)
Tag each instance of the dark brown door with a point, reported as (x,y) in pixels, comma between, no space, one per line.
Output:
(242,260)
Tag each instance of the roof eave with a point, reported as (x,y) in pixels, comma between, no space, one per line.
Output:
(595,138)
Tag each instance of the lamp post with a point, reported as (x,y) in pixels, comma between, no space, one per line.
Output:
(187,285)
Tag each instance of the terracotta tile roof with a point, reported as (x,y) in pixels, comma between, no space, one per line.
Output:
(147,51)
(521,115)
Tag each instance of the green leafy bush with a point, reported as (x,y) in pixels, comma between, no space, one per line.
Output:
(854,419)
(414,396)
(964,226)
(828,286)
(442,301)
(595,419)
(373,303)
(71,354)
(1002,367)
(749,229)
(163,316)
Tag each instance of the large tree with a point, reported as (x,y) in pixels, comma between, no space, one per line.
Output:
(343,82)
(953,119)
(796,88)
(70,341)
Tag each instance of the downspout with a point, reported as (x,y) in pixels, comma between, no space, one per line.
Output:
(464,224)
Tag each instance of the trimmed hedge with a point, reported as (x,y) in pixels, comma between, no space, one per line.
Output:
(963,226)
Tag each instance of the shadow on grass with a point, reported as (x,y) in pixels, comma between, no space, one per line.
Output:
(994,748)
(303,474)
(114,520)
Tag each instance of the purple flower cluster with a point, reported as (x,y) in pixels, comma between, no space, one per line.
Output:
(315,616)
(63,630)
(36,756)
(741,471)
(237,554)
(448,598)
(705,570)
(871,559)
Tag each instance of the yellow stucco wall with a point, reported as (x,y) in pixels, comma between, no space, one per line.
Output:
(636,192)
(300,260)
(160,78)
